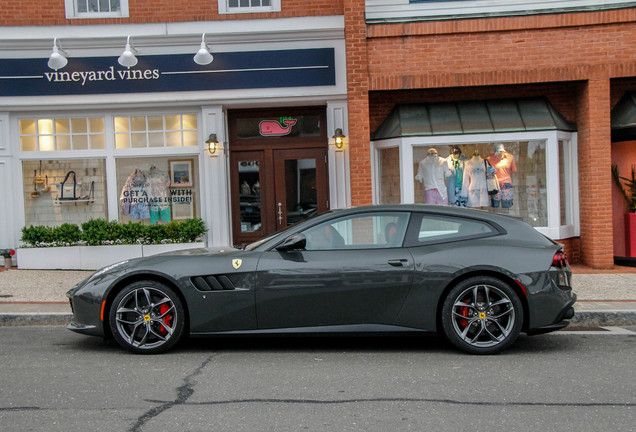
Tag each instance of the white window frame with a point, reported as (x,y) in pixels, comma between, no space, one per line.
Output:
(224,8)
(554,229)
(72,13)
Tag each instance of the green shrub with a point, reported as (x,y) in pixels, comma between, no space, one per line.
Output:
(132,232)
(191,230)
(154,233)
(95,231)
(35,235)
(101,232)
(172,231)
(67,234)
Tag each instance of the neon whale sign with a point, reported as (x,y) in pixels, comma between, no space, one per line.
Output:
(273,128)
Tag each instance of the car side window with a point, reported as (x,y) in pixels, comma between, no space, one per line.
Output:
(361,231)
(429,228)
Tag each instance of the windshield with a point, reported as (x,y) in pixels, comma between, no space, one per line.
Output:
(291,228)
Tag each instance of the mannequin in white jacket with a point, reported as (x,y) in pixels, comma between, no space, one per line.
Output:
(432,172)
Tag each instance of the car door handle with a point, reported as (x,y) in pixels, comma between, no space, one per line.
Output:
(398,262)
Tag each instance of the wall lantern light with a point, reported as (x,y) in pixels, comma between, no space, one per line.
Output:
(128,58)
(57,59)
(203,56)
(212,144)
(339,137)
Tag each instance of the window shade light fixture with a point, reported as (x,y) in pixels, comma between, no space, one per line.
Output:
(338,136)
(203,56)
(212,143)
(57,59)
(128,58)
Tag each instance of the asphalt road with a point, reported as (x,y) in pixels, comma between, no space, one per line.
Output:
(55,380)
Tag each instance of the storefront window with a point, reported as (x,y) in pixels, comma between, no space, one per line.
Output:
(143,131)
(535,176)
(158,189)
(389,166)
(444,177)
(64,191)
(51,134)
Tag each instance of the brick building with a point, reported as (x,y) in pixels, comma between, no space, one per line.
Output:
(453,69)
(552,86)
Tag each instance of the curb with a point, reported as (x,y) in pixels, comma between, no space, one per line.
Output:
(612,318)
(32,318)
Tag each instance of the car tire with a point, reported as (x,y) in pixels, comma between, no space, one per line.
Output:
(147,317)
(482,315)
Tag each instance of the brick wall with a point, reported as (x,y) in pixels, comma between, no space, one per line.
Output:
(52,12)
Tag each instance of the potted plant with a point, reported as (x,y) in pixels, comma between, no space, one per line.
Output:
(627,186)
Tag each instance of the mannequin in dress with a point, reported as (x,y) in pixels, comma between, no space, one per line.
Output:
(474,185)
(432,172)
(505,165)
(455,161)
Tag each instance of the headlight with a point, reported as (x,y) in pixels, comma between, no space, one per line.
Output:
(106,269)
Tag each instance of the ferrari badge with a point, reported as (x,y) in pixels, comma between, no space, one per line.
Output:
(236,263)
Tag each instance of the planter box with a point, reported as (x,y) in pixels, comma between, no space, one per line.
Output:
(52,258)
(96,257)
(89,257)
(630,235)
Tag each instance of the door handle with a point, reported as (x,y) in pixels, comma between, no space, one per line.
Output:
(280,213)
(398,262)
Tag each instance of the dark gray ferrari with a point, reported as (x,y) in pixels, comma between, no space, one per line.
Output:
(477,278)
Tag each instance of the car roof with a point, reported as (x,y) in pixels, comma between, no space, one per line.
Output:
(512,226)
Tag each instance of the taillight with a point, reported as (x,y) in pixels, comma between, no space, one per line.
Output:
(560,260)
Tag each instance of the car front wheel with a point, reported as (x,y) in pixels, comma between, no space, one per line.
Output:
(147,317)
(482,315)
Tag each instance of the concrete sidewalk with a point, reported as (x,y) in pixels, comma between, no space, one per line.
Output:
(605,297)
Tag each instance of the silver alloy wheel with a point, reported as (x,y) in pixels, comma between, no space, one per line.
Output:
(483,316)
(146,318)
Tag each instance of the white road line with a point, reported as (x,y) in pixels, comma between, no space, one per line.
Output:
(606,331)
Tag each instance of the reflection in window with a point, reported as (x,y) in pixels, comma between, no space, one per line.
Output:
(250,195)
(434,229)
(367,231)
(300,189)
(390,176)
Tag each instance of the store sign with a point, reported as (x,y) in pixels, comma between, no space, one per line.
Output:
(274,128)
(167,73)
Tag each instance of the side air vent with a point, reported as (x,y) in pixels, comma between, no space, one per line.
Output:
(212,283)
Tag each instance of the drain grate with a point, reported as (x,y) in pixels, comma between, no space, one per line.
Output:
(5,295)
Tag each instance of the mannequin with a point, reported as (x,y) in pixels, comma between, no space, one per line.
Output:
(474,186)
(432,172)
(158,183)
(455,162)
(505,165)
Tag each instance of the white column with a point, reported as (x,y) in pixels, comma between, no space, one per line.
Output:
(339,173)
(215,197)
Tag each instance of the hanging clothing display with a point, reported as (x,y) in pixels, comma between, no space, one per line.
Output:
(474,185)
(455,180)
(158,191)
(134,198)
(505,165)
(432,172)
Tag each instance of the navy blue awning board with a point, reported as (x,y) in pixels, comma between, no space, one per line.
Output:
(470,117)
(166,73)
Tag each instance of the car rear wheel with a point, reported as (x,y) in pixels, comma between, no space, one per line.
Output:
(482,315)
(147,317)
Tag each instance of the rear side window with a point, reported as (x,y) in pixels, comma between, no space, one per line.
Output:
(429,228)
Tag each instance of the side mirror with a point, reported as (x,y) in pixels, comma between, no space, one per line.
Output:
(296,241)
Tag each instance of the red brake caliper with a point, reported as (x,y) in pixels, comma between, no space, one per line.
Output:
(463,311)
(166,319)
